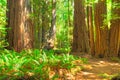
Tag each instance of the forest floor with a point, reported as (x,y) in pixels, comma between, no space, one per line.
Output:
(96,69)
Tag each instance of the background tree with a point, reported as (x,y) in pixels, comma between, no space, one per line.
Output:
(52,30)
(53,21)
(64,24)
(20,33)
(46,19)
(41,16)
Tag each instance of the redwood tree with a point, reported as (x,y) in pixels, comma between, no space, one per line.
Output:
(101,41)
(90,25)
(52,31)
(80,34)
(115,31)
(20,27)
(45,22)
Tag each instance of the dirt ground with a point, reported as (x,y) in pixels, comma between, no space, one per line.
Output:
(95,69)
(98,69)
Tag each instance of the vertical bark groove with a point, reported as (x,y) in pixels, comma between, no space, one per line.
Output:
(80,34)
(20,35)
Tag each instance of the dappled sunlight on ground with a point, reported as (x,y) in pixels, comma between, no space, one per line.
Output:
(104,66)
(95,67)
(87,76)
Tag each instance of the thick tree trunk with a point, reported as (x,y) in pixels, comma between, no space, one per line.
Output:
(80,34)
(101,42)
(115,33)
(20,33)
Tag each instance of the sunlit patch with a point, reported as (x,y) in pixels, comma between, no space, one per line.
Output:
(86,73)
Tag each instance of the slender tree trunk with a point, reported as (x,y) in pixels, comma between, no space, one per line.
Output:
(80,34)
(36,7)
(45,24)
(52,32)
(69,21)
(20,33)
(91,29)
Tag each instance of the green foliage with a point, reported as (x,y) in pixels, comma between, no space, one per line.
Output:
(110,77)
(115,6)
(104,75)
(33,64)
(2,23)
(64,18)
(2,16)
(64,24)
(41,16)
(116,59)
(115,77)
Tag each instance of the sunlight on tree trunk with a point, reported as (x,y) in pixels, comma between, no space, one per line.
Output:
(20,33)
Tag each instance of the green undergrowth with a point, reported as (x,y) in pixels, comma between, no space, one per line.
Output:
(110,77)
(35,64)
(115,59)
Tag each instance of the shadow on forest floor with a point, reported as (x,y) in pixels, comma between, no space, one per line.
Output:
(99,69)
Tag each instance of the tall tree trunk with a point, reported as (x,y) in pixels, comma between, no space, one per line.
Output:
(37,7)
(45,23)
(69,21)
(20,33)
(52,32)
(91,28)
(101,42)
(80,34)
(41,12)
(115,32)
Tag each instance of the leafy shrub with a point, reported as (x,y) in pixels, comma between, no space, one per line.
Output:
(3,42)
(33,64)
